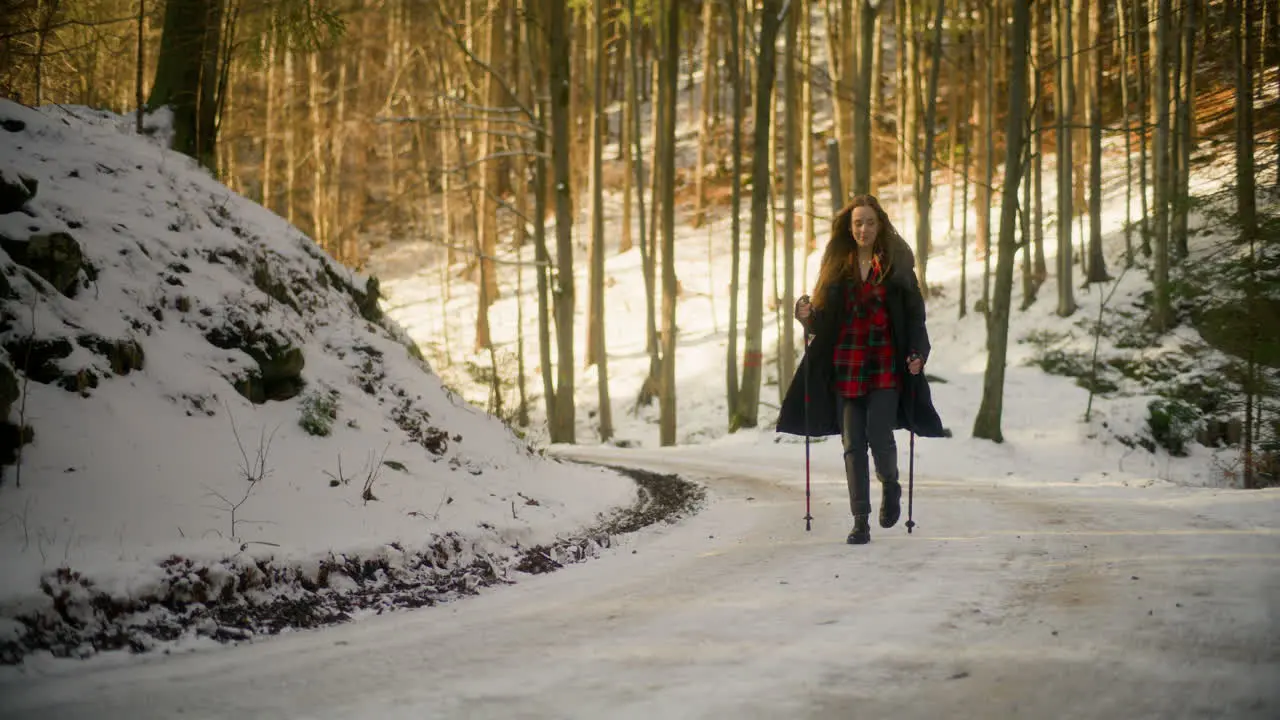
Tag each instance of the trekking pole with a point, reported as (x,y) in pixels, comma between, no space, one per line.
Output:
(808,516)
(911,483)
(911,466)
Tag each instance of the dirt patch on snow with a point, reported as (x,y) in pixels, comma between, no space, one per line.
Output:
(240,597)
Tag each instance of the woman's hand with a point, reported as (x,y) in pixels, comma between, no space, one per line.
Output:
(915,364)
(804,309)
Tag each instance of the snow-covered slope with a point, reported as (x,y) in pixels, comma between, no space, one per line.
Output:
(1045,432)
(166,341)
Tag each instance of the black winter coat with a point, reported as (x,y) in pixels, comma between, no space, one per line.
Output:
(905,305)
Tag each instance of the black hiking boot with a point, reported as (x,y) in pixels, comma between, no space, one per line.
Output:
(861,532)
(890,503)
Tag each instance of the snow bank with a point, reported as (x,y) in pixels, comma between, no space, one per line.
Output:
(166,341)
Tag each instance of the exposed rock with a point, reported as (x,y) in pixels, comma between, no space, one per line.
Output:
(12,437)
(366,302)
(38,358)
(80,381)
(56,257)
(15,190)
(280,364)
(9,390)
(125,356)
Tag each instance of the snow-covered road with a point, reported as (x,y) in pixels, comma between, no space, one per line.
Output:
(1016,600)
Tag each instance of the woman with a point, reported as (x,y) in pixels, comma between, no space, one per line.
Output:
(867,347)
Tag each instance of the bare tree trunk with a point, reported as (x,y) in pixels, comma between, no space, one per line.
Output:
(271,127)
(982,193)
(656,141)
(563,428)
(542,258)
(988,156)
(595,317)
(187,73)
(1162,313)
(630,108)
(495,49)
(1245,51)
(1029,286)
(839,63)
(1126,50)
(969,99)
(987,423)
(862,98)
(1185,103)
(648,389)
(956,104)
(1066,99)
(141,62)
(1080,109)
(1271,49)
(877,72)
(333,199)
(704,115)
(1097,270)
(786,352)
(1243,23)
(1135,7)
(671,65)
(1037,144)
(911,138)
(806,138)
(731,365)
(900,22)
(318,153)
(749,400)
(290,151)
(524,88)
(924,200)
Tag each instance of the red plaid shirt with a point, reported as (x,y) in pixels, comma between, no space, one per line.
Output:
(864,351)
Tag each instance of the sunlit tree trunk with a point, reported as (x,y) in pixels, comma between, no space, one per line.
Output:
(1243,28)
(732,389)
(862,97)
(1162,312)
(597,349)
(671,71)
(1185,113)
(924,201)
(806,137)
(187,73)
(563,427)
(1097,267)
(1126,50)
(791,153)
(987,423)
(704,114)
(749,399)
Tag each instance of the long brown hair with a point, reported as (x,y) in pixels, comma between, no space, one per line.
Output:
(837,259)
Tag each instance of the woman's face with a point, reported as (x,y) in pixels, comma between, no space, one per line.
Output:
(865,225)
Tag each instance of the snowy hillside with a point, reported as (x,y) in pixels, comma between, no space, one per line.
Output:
(1046,393)
(221,420)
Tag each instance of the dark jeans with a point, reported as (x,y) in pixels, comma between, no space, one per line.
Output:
(868,420)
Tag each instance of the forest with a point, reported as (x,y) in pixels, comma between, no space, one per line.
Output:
(495,131)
